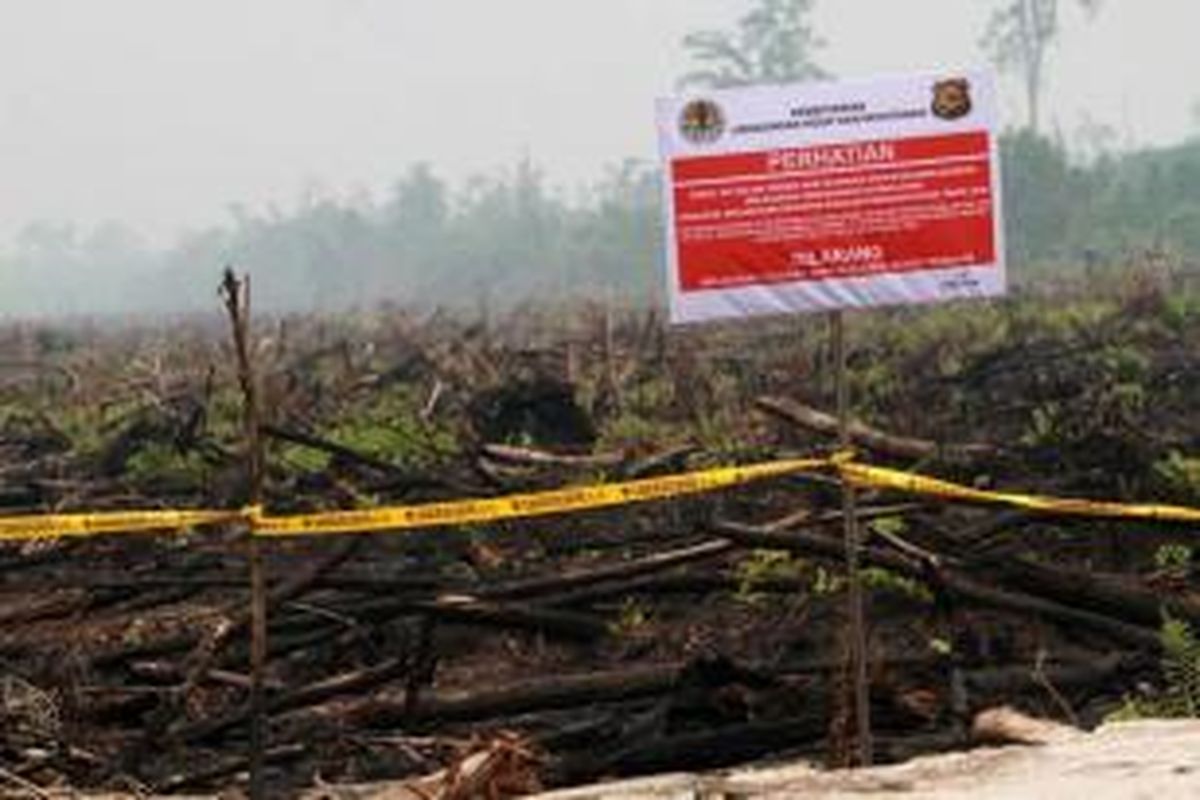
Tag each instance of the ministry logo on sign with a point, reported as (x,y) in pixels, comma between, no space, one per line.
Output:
(701,122)
(951,98)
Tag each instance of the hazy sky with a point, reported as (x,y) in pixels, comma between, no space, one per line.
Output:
(162,113)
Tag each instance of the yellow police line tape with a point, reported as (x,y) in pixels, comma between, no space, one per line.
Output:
(532,504)
(558,501)
(397,518)
(57,526)
(882,478)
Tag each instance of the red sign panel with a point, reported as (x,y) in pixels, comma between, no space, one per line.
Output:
(886,206)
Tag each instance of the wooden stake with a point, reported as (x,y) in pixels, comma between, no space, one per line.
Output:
(236,295)
(853,545)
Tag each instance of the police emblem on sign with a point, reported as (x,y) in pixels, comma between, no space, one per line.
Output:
(951,98)
(701,122)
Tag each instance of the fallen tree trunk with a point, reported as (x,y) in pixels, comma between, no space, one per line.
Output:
(943,579)
(348,683)
(869,437)
(705,749)
(463,609)
(558,692)
(543,694)
(542,458)
(995,684)
(398,477)
(685,583)
(1121,599)
(656,562)
(334,449)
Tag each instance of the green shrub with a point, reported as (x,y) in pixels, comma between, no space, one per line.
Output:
(390,428)
(1180,665)
(1175,560)
(158,462)
(763,566)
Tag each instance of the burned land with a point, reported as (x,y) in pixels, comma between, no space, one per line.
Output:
(696,632)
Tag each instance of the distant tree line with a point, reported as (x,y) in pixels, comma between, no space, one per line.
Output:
(496,239)
(510,236)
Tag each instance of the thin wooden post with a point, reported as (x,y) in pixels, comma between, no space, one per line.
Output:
(236,295)
(853,544)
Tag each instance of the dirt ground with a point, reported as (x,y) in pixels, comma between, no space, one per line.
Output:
(1148,759)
